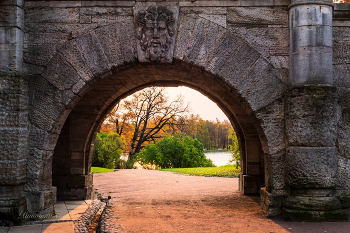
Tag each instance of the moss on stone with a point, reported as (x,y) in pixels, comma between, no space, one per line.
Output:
(304,215)
(312,203)
(345,200)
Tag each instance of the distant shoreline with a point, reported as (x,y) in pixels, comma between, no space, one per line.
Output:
(212,151)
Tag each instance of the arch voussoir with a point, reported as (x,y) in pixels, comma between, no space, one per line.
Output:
(239,64)
(93,53)
(127,40)
(261,85)
(187,25)
(271,119)
(61,73)
(109,40)
(204,39)
(118,43)
(226,46)
(73,55)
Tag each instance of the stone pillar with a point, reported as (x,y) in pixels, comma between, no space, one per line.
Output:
(311,113)
(11,35)
(311,49)
(13,110)
(80,181)
(70,174)
(252,178)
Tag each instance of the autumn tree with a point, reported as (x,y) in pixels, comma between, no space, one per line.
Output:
(224,129)
(189,125)
(212,134)
(119,120)
(152,116)
(234,149)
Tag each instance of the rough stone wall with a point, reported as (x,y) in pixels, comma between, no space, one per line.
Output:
(263,24)
(49,24)
(266,29)
(13,110)
(341,72)
(69,46)
(79,58)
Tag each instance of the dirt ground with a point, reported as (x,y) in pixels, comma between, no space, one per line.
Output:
(155,201)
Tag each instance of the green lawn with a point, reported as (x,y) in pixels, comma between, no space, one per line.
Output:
(223,171)
(100,170)
(206,151)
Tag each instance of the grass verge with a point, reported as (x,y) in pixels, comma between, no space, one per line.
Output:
(206,151)
(223,171)
(100,170)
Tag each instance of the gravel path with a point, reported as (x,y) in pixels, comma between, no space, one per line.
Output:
(155,201)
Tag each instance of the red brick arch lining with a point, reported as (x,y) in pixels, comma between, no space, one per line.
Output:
(89,74)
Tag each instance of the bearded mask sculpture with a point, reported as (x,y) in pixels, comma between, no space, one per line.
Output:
(156,31)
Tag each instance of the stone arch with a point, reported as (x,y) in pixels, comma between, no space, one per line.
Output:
(93,71)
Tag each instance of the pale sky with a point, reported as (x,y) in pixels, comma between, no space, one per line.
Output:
(200,104)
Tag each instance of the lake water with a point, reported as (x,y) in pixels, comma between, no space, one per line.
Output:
(219,158)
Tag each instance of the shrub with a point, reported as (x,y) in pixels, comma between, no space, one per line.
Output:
(123,164)
(179,151)
(107,150)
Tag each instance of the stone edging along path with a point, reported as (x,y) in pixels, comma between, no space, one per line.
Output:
(82,223)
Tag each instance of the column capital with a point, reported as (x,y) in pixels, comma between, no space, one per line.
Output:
(295,3)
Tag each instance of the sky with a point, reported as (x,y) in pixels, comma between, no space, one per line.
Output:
(200,104)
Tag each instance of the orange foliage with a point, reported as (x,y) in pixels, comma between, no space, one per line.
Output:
(127,133)
(106,128)
(128,130)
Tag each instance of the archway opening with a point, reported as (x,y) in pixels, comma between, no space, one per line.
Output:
(73,152)
(168,116)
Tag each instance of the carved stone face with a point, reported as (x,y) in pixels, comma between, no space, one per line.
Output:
(154,35)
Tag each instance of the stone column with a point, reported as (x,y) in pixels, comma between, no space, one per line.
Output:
(311,48)
(13,110)
(311,113)
(252,178)
(80,179)
(70,174)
